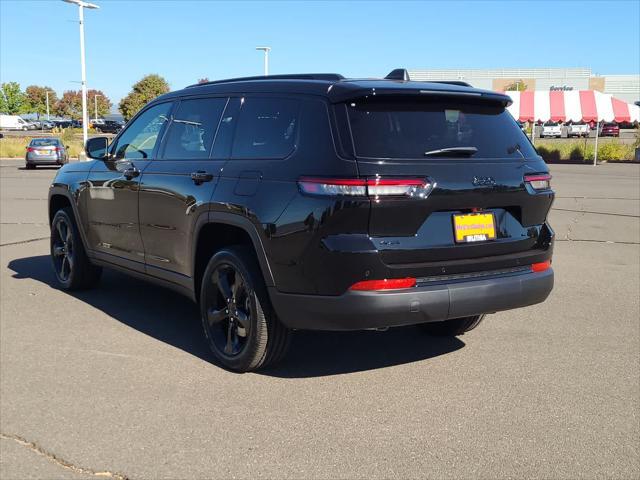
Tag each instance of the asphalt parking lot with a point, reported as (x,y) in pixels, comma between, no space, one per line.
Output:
(118,382)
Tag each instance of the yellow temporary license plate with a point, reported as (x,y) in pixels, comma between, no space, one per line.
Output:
(474,227)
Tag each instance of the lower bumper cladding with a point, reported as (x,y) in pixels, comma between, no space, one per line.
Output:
(426,302)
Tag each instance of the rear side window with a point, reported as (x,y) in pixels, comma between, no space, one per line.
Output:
(405,128)
(267,128)
(193,128)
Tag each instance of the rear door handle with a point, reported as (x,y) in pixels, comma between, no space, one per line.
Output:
(201,176)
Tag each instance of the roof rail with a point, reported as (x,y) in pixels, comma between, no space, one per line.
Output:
(332,77)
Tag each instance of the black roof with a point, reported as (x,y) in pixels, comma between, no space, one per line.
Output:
(337,88)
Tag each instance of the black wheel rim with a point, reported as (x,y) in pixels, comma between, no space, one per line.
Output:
(62,249)
(228,311)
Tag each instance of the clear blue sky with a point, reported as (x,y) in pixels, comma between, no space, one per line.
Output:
(186,40)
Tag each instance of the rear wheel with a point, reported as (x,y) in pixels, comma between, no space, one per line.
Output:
(30,166)
(453,327)
(241,328)
(71,265)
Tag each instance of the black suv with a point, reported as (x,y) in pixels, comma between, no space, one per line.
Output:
(108,126)
(314,202)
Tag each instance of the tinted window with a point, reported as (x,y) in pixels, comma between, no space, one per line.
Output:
(267,128)
(140,138)
(193,128)
(224,137)
(406,128)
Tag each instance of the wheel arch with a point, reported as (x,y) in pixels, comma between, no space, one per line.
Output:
(60,197)
(221,230)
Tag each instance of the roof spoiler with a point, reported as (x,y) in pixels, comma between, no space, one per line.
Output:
(339,94)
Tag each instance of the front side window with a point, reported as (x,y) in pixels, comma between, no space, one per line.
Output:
(267,128)
(140,138)
(193,128)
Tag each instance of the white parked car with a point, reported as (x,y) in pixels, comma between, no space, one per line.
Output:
(578,130)
(551,129)
(14,122)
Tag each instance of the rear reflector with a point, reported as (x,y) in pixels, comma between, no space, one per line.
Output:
(373,187)
(386,284)
(541,267)
(539,181)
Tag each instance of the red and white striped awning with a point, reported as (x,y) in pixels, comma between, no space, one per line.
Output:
(573,105)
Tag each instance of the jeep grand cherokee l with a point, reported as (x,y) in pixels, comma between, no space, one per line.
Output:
(314,202)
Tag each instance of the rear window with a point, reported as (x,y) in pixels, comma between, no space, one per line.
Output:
(44,142)
(407,129)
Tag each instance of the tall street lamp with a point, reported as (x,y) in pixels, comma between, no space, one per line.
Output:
(266,59)
(95,105)
(81,6)
(47,93)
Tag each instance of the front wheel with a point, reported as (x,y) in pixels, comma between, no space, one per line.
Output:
(241,328)
(453,327)
(71,265)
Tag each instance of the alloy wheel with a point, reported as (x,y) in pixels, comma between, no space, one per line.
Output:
(229,310)
(62,249)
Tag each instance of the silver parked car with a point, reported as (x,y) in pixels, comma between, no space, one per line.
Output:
(46,151)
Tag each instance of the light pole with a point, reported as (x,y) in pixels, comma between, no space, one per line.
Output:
(81,6)
(266,58)
(47,93)
(95,105)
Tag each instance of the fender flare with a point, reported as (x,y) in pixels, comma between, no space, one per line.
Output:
(61,189)
(243,223)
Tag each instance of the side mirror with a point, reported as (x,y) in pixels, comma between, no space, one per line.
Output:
(96,148)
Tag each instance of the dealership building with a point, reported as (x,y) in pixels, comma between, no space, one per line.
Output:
(623,87)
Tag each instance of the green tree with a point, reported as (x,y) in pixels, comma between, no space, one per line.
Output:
(142,93)
(37,99)
(104,104)
(12,100)
(70,105)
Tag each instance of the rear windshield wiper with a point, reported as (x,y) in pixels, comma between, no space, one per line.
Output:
(453,152)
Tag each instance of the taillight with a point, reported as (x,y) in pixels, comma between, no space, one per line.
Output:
(372,187)
(386,284)
(541,267)
(31,149)
(539,181)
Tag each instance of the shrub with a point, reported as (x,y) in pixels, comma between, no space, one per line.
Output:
(576,153)
(615,151)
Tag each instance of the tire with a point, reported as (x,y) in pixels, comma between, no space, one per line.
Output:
(29,166)
(241,328)
(72,267)
(454,327)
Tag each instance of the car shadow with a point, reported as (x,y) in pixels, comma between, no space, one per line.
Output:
(174,319)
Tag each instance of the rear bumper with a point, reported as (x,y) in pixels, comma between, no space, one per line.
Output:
(362,310)
(44,160)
